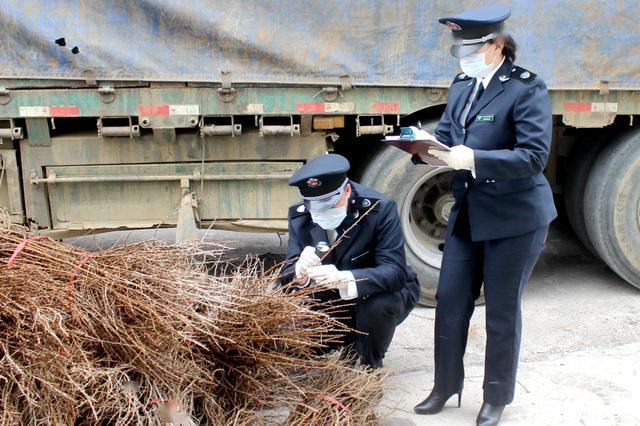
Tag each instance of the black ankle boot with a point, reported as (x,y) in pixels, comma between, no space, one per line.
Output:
(489,415)
(434,403)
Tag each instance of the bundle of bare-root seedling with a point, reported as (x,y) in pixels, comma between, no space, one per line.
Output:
(142,334)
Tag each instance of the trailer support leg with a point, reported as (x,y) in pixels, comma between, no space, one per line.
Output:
(187,229)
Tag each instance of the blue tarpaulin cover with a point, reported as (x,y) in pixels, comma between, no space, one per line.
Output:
(570,43)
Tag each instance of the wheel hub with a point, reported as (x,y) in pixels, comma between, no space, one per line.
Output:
(425,214)
(443,208)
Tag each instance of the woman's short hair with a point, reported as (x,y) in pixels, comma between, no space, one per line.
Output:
(510,46)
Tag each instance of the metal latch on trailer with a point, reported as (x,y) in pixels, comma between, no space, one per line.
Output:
(10,131)
(375,125)
(332,93)
(117,127)
(226,93)
(329,93)
(107,93)
(278,125)
(5,97)
(216,125)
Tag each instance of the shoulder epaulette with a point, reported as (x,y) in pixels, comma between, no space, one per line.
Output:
(363,203)
(461,77)
(297,210)
(522,74)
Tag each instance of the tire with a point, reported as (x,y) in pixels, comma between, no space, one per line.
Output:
(612,206)
(581,160)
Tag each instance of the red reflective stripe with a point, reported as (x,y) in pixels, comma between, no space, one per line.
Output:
(577,107)
(153,109)
(64,111)
(21,247)
(76,271)
(334,401)
(385,107)
(310,107)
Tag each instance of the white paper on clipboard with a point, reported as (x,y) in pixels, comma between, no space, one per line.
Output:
(417,142)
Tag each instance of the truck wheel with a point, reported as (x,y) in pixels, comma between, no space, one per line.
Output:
(582,157)
(424,202)
(612,206)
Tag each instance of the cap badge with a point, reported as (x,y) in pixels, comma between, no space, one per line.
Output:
(503,78)
(313,183)
(525,74)
(453,26)
(366,203)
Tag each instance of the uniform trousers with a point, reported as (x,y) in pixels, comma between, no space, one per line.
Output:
(503,267)
(375,320)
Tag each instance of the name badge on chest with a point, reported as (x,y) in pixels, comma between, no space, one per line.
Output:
(485,117)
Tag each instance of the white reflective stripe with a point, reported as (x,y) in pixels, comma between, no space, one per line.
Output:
(184,110)
(604,107)
(255,108)
(339,106)
(33,111)
(478,40)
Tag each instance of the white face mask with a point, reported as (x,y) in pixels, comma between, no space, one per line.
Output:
(330,219)
(474,65)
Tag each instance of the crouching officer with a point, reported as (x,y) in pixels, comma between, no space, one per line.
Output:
(366,271)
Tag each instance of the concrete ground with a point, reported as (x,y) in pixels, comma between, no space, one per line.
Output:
(580,357)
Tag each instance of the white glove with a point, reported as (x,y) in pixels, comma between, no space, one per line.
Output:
(460,157)
(329,275)
(308,259)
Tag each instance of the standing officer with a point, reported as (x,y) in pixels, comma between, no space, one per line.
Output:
(367,269)
(498,124)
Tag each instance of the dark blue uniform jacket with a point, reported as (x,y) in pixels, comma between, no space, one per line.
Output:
(373,251)
(509,129)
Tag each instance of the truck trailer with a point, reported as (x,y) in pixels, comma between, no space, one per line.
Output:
(125,115)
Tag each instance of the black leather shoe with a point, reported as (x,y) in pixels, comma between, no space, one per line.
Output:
(489,415)
(434,403)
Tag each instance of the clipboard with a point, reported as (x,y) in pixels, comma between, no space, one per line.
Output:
(417,142)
